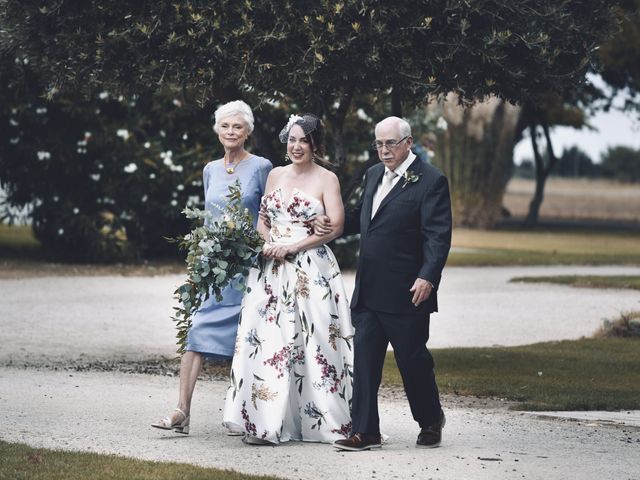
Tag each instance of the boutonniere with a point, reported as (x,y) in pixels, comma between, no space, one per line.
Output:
(410,177)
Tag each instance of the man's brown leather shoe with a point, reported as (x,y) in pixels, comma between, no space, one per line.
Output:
(431,436)
(359,442)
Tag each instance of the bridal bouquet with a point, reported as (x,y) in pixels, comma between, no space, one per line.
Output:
(220,250)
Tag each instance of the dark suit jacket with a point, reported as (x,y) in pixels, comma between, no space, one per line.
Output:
(409,237)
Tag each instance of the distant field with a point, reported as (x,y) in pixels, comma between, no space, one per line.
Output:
(577,199)
(566,200)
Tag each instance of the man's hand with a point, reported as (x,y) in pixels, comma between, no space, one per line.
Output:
(322,225)
(421,290)
(264,217)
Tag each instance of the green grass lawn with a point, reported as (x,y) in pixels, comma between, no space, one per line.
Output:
(590,281)
(587,374)
(20,462)
(544,247)
(14,237)
(471,247)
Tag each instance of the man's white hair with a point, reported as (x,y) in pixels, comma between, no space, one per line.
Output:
(236,107)
(403,126)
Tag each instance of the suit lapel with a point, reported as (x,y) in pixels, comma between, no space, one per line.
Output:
(399,187)
(370,191)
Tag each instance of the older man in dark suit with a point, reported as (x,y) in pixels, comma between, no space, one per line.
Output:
(404,221)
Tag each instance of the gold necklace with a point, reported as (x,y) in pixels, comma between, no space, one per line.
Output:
(232,168)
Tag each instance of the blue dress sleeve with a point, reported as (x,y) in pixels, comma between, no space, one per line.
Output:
(205,179)
(263,173)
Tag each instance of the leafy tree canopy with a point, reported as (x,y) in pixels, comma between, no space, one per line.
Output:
(319,53)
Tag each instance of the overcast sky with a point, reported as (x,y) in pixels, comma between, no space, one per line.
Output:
(613,129)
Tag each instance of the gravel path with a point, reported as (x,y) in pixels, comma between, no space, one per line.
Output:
(46,318)
(76,320)
(110,413)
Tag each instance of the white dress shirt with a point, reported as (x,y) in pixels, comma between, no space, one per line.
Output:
(399,171)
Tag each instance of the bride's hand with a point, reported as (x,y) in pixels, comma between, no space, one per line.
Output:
(267,250)
(281,252)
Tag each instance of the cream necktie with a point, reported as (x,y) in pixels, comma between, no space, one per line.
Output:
(383,190)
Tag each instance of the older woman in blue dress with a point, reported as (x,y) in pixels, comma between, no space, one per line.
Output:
(214,326)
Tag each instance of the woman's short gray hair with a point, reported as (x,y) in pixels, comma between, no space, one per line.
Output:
(236,107)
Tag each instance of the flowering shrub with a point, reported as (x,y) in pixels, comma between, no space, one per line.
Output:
(220,251)
(101,178)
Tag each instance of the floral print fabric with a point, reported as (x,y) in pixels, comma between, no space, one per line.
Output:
(292,368)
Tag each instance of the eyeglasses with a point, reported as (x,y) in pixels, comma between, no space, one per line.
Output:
(390,144)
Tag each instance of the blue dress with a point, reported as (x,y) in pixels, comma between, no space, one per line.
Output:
(214,325)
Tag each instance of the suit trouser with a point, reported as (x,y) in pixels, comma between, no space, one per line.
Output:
(408,335)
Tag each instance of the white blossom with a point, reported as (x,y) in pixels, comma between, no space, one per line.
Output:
(55,198)
(147,144)
(42,155)
(177,102)
(41,110)
(162,133)
(180,188)
(176,168)
(81,144)
(185,136)
(364,156)
(60,231)
(103,95)
(124,133)
(442,123)
(174,203)
(193,200)
(76,210)
(144,198)
(13,122)
(152,175)
(14,141)
(132,167)
(292,120)
(362,115)
(167,157)
(95,177)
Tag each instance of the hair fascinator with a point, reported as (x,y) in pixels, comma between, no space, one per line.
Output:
(307,122)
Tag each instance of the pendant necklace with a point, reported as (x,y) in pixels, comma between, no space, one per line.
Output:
(232,167)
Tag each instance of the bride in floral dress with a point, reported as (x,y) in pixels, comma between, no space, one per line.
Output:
(292,368)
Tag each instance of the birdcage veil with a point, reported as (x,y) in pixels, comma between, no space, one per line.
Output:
(307,122)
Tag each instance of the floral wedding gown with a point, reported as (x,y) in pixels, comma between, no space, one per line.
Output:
(292,368)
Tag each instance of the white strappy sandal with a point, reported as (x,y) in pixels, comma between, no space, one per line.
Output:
(179,427)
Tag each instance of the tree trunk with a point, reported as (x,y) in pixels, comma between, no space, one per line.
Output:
(542,171)
(396,102)
(336,122)
(476,154)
